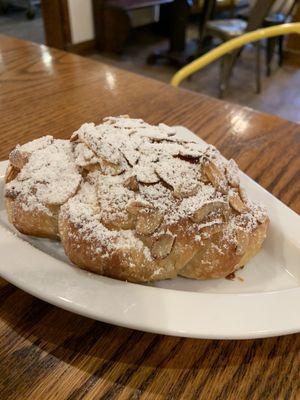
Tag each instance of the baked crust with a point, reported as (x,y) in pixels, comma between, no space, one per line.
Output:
(35,223)
(40,177)
(218,257)
(118,254)
(135,202)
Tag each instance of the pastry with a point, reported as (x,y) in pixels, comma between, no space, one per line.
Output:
(135,202)
(41,176)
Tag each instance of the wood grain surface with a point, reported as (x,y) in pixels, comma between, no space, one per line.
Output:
(48,353)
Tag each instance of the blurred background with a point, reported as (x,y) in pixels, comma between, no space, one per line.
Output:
(157,37)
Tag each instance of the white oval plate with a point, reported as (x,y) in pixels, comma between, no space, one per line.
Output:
(262,302)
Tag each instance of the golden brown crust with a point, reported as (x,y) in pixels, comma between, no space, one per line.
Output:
(219,257)
(128,264)
(131,261)
(256,240)
(11,173)
(34,223)
(33,180)
(30,222)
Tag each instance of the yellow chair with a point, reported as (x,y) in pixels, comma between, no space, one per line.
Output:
(231,45)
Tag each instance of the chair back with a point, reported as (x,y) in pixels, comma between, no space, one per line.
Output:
(285,7)
(207,13)
(259,10)
(232,45)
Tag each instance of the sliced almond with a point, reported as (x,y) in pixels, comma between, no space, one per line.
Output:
(109,168)
(170,171)
(202,176)
(20,155)
(91,167)
(164,174)
(149,154)
(207,208)
(167,148)
(87,154)
(84,157)
(215,176)
(211,229)
(189,152)
(162,247)
(134,207)
(242,239)
(11,173)
(74,137)
(183,190)
(92,178)
(109,153)
(131,183)
(131,155)
(94,139)
(232,173)
(148,222)
(169,130)
(18,158)
(155,136)
(179,175)
(261,217)
(237,203)
(146,174)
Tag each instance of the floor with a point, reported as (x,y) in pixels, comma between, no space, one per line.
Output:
(15,23)
(280,92)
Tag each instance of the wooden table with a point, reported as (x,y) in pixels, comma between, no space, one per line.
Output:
(48,353)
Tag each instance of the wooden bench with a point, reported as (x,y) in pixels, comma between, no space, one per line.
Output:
(114,20)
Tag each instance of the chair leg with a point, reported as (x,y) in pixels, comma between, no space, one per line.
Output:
(257,69)
(280,50)
(269,54)
(227,64)
(222,85)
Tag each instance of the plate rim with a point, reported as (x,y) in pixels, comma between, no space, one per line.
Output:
(124,316)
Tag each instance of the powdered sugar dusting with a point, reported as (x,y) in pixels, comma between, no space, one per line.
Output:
(166,167)
(36,144)
(84,212)
(170,183)
(50,177)
(178,173)
(113,197)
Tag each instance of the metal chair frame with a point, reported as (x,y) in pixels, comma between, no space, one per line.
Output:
(256,17)
(231,46)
